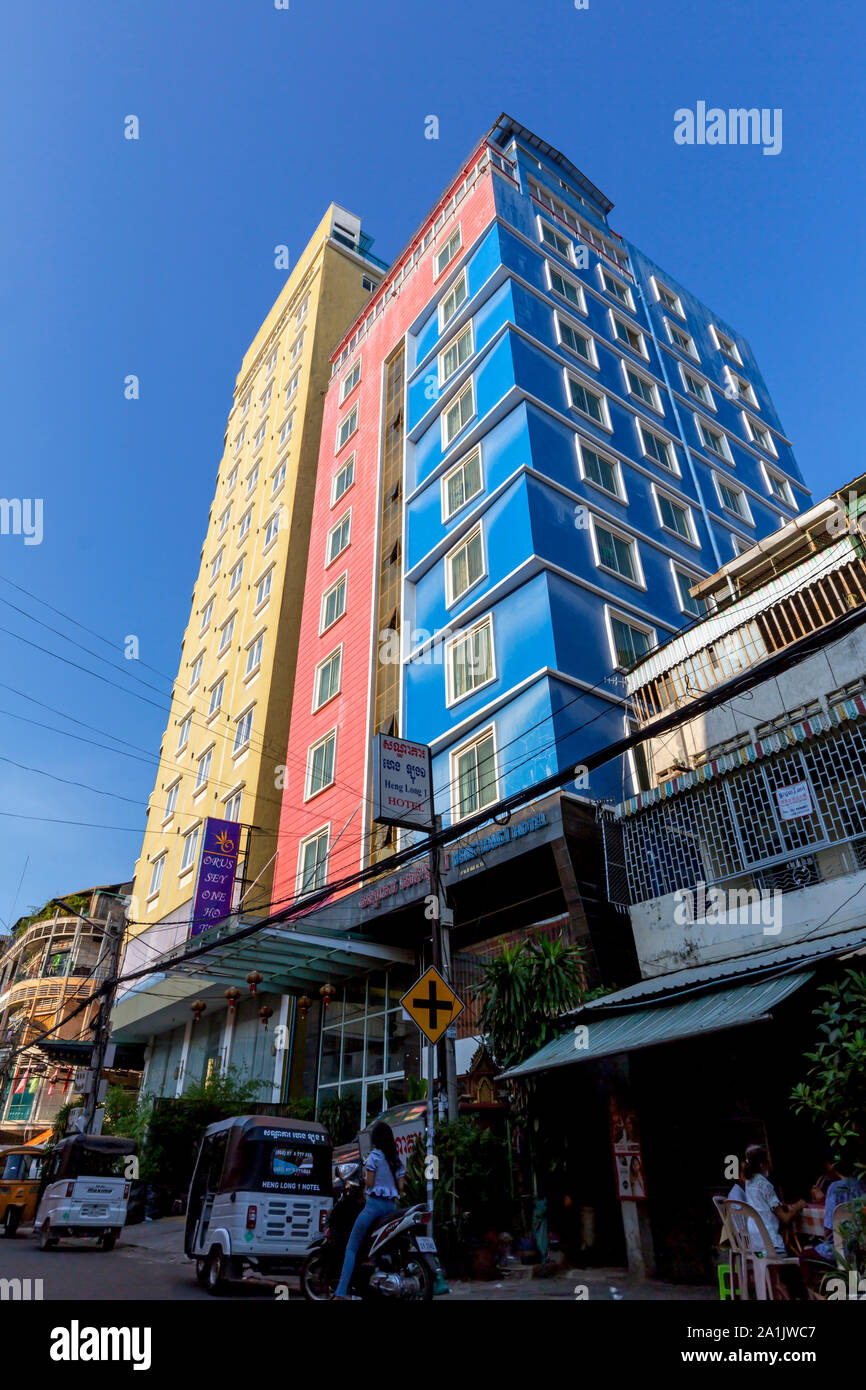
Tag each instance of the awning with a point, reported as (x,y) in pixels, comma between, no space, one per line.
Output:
(127,1057)
(648,1025)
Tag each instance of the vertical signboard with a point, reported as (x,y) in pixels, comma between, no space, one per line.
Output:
(216,873)
(402,783)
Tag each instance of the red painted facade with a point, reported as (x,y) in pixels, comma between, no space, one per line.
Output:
(344,806)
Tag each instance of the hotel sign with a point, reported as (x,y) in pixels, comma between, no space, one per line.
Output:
(473,856)
(402,783)
(216,874)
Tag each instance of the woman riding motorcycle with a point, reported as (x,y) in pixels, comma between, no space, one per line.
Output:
(383,1179)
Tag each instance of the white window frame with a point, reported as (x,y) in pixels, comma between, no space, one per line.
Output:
(225,516)
(250,647)
(171,806)
(315,835)
(445,319)
(329,737)
(465,635)
(292,386)
(663,492)
(744,517)
(544,224)
(344,580)
(349,423)
(236,795)
(236,574)
(218,686)
(658,286)
(655,404)
(562,320)
(679,569)
(206,614)
(216,565)
(751,429)
(189,837)
(259,436)
(713,429)
(595,522)
(620,490)
(252,479)
(466,330)
(157,872)
(628,301)
(226,633)
(350,380)
(273,520)
(708,401)
(332,555)
(262,599)
(286,429)
(203,764)
(348,463)
(592,387)
(463,544)
(612,615)
(674,470)
(278,477)
(468,389)
(328,660)
(232,478)
(748,396)
(456,753)
(642,351)
(460,466)
(238,723)
(719,338)
(195,670)
(552,270)
(183,731)
(440,265)
(787,500)
(244,523)
(671,328)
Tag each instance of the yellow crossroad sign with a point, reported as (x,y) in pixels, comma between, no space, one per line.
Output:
(432,1004)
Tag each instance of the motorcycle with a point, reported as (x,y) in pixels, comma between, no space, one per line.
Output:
(392,1261)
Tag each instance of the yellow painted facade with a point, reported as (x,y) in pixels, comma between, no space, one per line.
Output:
(228,729)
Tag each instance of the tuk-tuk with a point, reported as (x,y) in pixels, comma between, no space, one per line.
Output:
(84,1189)
(260,1192)
(20,1169)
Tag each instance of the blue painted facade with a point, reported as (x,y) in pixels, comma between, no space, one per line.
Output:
(555,691)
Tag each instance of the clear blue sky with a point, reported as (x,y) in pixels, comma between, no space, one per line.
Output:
(156,258)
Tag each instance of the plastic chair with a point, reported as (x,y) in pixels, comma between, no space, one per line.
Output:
(736,1218)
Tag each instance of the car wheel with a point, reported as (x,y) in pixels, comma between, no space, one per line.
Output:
(47,1241)
(11,1221)
(215,1272)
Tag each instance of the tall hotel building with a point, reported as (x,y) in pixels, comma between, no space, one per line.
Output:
(225,742)
(535,442)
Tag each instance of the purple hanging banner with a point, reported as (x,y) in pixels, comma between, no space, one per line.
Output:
(216,874)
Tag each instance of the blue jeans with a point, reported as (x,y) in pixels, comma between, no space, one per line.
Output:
(374,1208)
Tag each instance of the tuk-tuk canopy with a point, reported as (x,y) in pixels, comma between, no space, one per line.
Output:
(72,1154)
(242,1130)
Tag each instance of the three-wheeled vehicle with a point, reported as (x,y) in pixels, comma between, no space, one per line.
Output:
(84,1189)
(260,1192)
(20,1168)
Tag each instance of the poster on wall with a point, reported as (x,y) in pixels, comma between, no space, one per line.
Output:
(216,874)
(627,1155)
(794,801)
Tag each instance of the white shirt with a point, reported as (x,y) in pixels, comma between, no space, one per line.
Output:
(761,1195)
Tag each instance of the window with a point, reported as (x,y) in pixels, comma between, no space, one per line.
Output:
(298,347)
(156,873)
(682,340)
(454,356)
(246,402)
(699,389)
(566,289)
(320,765)
(347,427)
(740,545)
(574,340)
(343,480)
(239,438)
(589,403)
(232,478)
(263,588)
(628,335)
(350,380)
(313,862)
(216,565)
(630,643)
(279,478)
(738,386)
(668,298)
(555,240)
(206,614)
(458,415)
(474,769)
(732,499)
(470,660)
(684,581)
(713,440)
(759,436)
(779,487)
(617,553)
(190,845)
(243,729)
(259,436)
(333,603)
(252,479)
(461,484)
(232,807)
(727,346)
(639,386)
(616,288)
(292,386)
(302,308)
(272,530)
(216,696)
(224,520)
(447,252)
(171,799)
(464,565)
(286,428)
(235,575)
(195,672)
(675,517)
(456,296)
(338,538)
(266,395)
(226,632)
(203,773)
(657,449)
(601,471)
(327,681)
(183,733)
(254,654)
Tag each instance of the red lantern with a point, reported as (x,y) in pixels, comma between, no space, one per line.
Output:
(197,1009)
(265,1012)
(305,1003)
(232,994)
(327,993)
(254,979)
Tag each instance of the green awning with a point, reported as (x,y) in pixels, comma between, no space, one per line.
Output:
(660,1023)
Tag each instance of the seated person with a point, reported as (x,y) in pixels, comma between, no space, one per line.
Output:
(761,1194)
(844,1188)
(829,1174)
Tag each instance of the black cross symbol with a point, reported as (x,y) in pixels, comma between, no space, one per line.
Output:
(433,1004)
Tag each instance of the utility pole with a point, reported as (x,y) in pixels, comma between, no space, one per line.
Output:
(114,932)
(442,924)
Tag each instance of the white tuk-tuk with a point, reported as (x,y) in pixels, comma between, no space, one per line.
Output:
(260,1192)
(84,1189)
